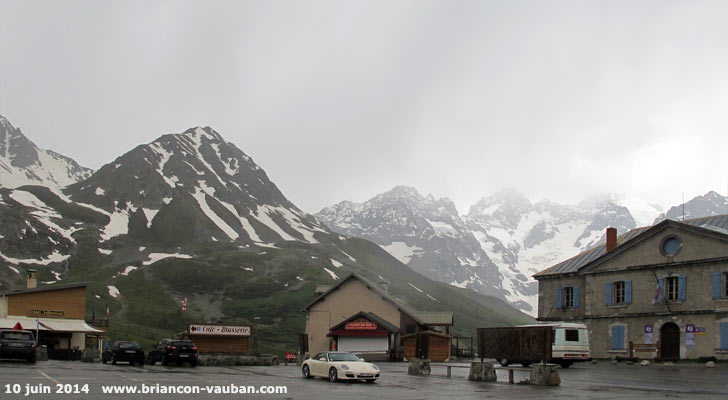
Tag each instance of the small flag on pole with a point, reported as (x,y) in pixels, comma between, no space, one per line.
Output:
(107,310)
(184,305)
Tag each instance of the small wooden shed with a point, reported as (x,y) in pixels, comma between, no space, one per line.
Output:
(431,345)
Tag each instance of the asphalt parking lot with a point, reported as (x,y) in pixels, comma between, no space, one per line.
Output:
(601,380)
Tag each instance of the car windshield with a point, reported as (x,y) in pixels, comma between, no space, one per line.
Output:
(181,343)
(343,357)
(17,336)
(128,345)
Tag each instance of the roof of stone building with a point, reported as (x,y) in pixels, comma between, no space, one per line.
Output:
(716,223)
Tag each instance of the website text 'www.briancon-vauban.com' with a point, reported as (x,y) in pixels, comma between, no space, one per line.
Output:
(193,389)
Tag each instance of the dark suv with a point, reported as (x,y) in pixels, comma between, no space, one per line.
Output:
(124,351)
(173,351)
(17,344)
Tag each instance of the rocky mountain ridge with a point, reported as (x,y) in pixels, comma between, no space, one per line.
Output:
(23,163)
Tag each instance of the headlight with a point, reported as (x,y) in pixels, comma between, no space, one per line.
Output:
(375,367)
(345,367)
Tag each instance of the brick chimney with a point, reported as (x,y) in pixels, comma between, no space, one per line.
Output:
(32,279)
(611,239)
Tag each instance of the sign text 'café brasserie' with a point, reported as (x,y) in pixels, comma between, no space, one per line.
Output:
(220,330)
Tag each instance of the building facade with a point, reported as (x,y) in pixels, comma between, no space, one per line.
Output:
(57,312)
(661,291)
(361,317)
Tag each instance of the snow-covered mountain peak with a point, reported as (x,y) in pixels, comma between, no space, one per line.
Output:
(199,174)
(711,203)
(23,163)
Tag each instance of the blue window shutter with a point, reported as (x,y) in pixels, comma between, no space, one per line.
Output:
(617,337)
(681,287)
(716,285)
(559,292)
(576,296)
(608,293)
(724,335)
(628,292)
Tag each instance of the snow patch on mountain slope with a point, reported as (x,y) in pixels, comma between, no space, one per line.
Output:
(127,270)
(118,225)
(346,254)
(154,257)
(443,228)
(113,291)
(333,275)
(294,221)
(55,257)
(262,216)
(423,292)
(165,156)
(200,196)
(42,213)
(401,251)
(149,214)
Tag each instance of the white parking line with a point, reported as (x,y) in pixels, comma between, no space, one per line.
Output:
(51,379)
(130,378)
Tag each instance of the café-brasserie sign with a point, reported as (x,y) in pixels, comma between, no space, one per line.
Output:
(226,330)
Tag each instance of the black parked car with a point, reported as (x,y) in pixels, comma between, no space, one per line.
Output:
(17,344)
(124,351)
(173,351)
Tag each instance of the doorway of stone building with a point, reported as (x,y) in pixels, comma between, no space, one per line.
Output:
(670,341)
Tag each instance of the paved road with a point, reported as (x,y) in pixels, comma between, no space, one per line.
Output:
(602,380)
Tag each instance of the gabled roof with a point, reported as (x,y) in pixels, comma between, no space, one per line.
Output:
(371,317)
(47,288)
(437,318)
(401,307)
(716,226)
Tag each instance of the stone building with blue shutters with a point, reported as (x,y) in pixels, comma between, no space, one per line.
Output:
(661,288)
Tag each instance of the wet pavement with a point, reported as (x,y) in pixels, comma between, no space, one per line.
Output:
(76,380)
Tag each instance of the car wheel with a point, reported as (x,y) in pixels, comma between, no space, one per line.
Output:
(193,364)
(526,364)
(141,362)
(306,372)
(503,361)
(165,362)
(113,360)
(31,359)
(103,360)
(333,376)
(565,364)
(371,380)
(178,363)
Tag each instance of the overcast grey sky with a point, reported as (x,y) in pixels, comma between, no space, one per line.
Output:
(345,99)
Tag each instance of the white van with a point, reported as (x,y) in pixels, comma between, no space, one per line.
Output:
(569,344)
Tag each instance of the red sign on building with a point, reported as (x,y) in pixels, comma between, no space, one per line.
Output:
(361,326)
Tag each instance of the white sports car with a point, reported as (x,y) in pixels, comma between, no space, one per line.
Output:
(339,365)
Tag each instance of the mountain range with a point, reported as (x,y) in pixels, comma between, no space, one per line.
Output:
(191,216)
(504,238)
